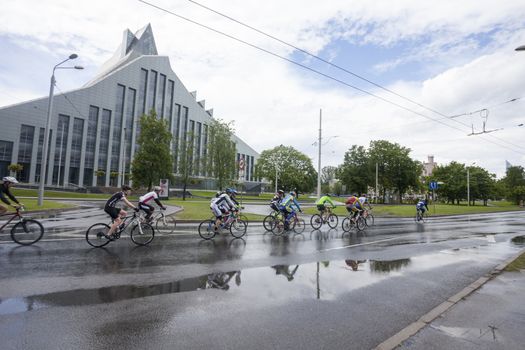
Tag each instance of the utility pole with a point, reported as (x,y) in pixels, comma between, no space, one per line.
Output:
(319,164)
(377,180)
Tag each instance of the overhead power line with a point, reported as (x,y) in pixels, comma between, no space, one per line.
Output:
(323,74)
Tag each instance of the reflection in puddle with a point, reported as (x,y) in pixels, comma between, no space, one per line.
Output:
(518,240)
(324,280)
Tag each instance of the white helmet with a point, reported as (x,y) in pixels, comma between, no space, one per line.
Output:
(9,179)
(157,188)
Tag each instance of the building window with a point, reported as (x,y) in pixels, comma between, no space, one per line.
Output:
(252,168)
(6,152)
(117,127)
(198,158)
(204,149)
(105,123)
(142,90)
(128,131)
(152,91)
(168,107)
(91,141)
(41,136)
(76,150)
(161,99)
(176,133)
(25,151)
(61,148)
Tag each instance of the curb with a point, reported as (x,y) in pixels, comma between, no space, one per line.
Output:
(409,331)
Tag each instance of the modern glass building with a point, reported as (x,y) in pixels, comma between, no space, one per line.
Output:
(94,129)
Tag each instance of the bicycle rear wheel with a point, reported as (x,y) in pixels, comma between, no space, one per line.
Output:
(278,227)
(316,221)
(333,220)
(299,226)
(268,222)
(238,228)
(166,224)
(27,232)
(143,234)
(207,229)
(96,235)
(347,225)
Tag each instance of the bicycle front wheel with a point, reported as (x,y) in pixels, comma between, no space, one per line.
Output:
(143,234)
(299,226)
(360,224)
(278,227)
(333,220)
(268,222)
(347,224)
(166,224)
(96,235)
(207,229)
(369,220)
(316,221)
(27,232)
(238,228)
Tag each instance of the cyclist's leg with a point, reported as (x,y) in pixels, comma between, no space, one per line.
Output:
(115,216)
(218,215)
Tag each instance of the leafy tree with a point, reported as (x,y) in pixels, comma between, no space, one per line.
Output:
(355,170)
(397,171)
(220,158)
(185,161)
(482,184)
(514,178)
(454,178)
(328,173)
(295,169)
(153,160)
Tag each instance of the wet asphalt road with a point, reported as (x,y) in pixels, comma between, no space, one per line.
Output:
(320,289)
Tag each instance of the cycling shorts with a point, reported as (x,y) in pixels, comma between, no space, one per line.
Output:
(113,212)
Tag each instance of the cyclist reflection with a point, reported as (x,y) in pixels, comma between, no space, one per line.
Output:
(285,271)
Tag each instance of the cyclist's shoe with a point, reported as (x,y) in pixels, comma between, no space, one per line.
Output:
(121,226)
(286,226)
(111,237)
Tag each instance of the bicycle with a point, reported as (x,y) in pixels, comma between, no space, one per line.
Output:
(318,220)
(142,233)
(350,223)
(296,224)
(269,220)
(420,216)
(236,226)
(164,223)
(369,217)
(25,231)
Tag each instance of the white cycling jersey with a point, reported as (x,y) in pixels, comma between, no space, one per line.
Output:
(148,197)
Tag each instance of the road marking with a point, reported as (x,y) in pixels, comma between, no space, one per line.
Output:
(360,244)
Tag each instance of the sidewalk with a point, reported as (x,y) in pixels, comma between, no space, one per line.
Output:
(488,314)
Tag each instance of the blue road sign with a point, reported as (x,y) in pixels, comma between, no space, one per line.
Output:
(433,185)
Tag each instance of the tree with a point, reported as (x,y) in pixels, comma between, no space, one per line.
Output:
(397,171)
(153,160)
(482,185)
(454,178)
(220,157)
(15,168)
(513,180)
(328,173)
(185,164)
(295,169)
(355,170)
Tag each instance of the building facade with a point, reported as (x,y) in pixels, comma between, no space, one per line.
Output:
(428,166)
(94,129)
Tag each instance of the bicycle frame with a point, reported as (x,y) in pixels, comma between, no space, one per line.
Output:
(13,216)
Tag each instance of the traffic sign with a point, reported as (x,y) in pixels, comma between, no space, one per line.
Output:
(433,185)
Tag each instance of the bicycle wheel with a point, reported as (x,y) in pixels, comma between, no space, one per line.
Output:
(27,232)
(238,228)
(360,223)
(347,225)
(96,235)
(278,227)
(299,226)
(316,221)
(268,222)
(166,224)
(369,220)
(143,234)
(333,220)
(244,218)
(207,229)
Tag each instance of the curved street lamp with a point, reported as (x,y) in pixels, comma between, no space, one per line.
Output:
(43,164)
(520,48)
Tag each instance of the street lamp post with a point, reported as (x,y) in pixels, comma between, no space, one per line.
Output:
(43,164)
(520,48)
(123,159)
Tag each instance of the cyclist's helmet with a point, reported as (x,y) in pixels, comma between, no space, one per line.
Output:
(126,188)
(293,193)
(9,179)
(228,190)
(280,192)
(157,188)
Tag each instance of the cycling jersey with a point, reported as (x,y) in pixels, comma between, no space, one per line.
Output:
(117,197)
(4,190)
(421,205)
(290,201)
(325,199)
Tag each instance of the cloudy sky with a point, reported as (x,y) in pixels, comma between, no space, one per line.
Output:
(427,60)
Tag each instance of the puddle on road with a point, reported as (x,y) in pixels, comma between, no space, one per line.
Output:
(324,280)
(518,240)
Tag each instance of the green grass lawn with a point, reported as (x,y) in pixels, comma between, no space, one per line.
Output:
(517,265)
(31,205)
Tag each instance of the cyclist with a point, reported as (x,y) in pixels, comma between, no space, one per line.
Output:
(321,206)
(220,205)
(276,200)
(148,208)
(7,182)
(353,205)
(117,213)
(287,208)
(422,205)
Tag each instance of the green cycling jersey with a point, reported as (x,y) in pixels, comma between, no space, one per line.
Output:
(325,199)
